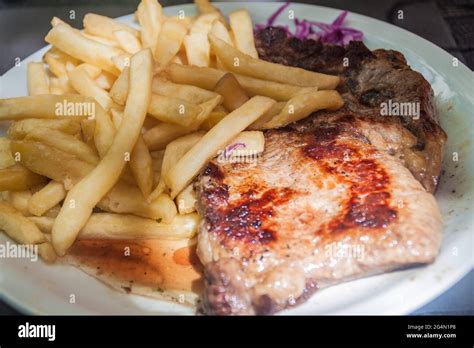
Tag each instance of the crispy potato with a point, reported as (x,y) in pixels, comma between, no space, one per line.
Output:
(65,142)
(19,200)
(117,117)
(6,158)
(72,42)
(59,63)
(86,86)
(150,17)
(50,162)
(87,132)
(198,50)
(44,223)
(18,227)
(106,27)
(141,166)
(37,79)
(214,118)
(46,198)
(217,138)
(174,151)
(121,61)
(303,105)
(105,80)
(207,78)
(191,94)
(121,226)
(173,110)
(219,29)
(101,40)
(186,200)
(205,6)
(119,90)
(19,129)
(158,137)
(274,110)
(240,63)
(46,106)
(19,178)
(46,252)
(169,41)
(88,192)
(232,92)
(104,131)
(242,28)
(127,41)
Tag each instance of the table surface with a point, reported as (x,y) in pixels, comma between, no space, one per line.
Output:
(447,23)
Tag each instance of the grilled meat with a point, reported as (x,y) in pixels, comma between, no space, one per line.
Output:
(334,197)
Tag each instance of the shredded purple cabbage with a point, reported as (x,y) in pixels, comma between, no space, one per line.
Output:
(231,148)
(334,33)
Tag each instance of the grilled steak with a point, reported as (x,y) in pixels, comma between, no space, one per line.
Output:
(334,197)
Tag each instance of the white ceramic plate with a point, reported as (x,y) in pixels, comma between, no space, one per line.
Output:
(38,288)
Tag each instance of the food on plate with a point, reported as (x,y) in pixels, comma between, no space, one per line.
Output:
(236,166)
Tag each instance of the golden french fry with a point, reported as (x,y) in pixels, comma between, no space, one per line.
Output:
(59,63)
(274,110)
(214,118)
(117,117)
(141,166)
(86,86)
(121,226)
(127,41)
(65,142)
(104,131)
(208,77)
(44,223)
(186,200)
(174,151)
(242,28)
(217,138)
(119,90)
(19,129)
(106,27)
(18,227)
(6,158)
(240,63)
(232,92)
(37,79)
(188,93)
(19,200)
(197,49)
(19,178)
(89,191)
(72,42)
(50,162)
(159,136)
(101,40)
(303,105)
(46,198)
(219,29)
(173,110)
(105,80)
(46,252)
(150,17)
(169,41)
(205,6)
(87,132)
(46,106)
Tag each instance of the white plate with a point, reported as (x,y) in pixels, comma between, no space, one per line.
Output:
(38,288)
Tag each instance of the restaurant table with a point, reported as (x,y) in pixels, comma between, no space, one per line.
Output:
(447,23)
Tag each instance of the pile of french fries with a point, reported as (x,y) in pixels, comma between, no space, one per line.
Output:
(120,120)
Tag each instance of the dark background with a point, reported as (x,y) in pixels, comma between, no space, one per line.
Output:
(447,23)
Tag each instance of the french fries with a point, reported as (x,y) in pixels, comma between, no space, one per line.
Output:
(127,41)
(65,142)
(119,90)
(232,92)
(46,198)
(46,106)
(208,77)
(141,166)
(242,27)
(205,6)
(86,86)
(198,50)
(18,227)
(240,63)
(303,105)
(6,158)
(173,110)
(78,46)
(150,16)
(191,94)
(20,129)
(18,178)
(186,200)
(121,227)
(37,79)
(106,27)
(88,192)
(19,200)
(217,138)
(169,41)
